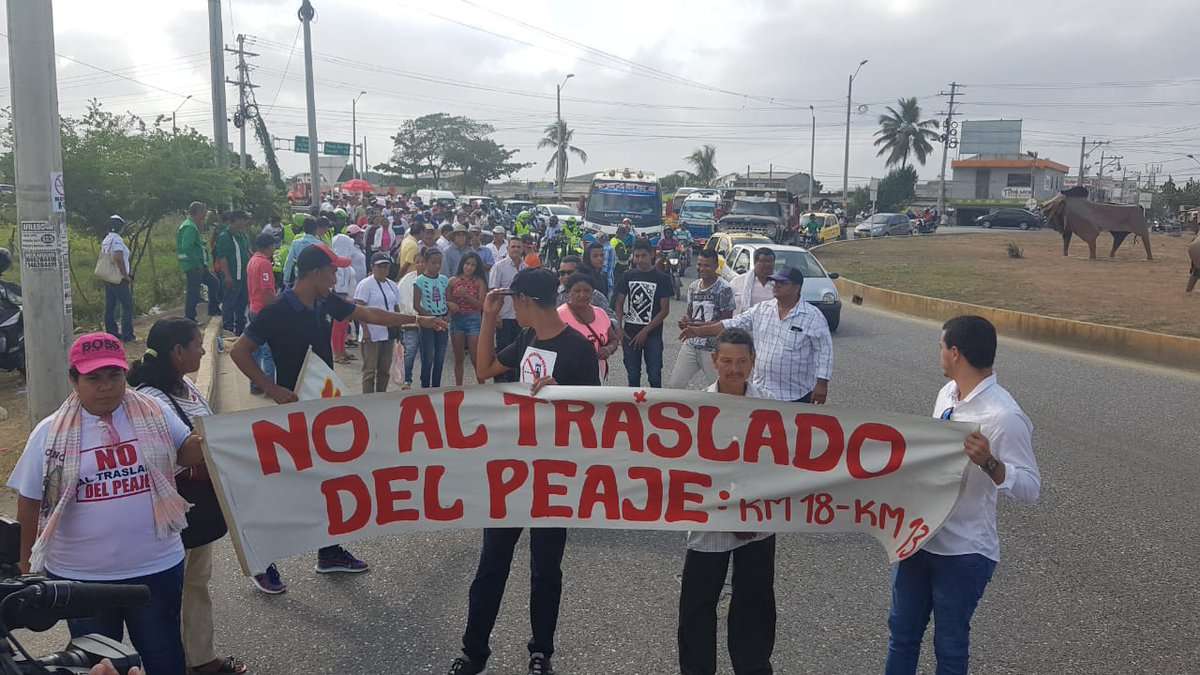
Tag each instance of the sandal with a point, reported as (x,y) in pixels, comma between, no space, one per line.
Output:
(228,665)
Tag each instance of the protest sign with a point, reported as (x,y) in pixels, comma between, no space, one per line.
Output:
(317,379)
(296,477)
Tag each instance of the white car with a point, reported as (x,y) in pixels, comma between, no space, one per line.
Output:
(542,213)
(818,290)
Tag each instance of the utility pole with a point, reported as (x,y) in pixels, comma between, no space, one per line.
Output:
(364,155)
(1032,174)
(244,113)
(846,163)
(306,14)
(812,156)
(216,57)
(354,134)
(561,151)
(1084,151)
(941,205)
(45,261)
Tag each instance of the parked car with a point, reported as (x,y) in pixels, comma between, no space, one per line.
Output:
(542,213)
(1018,218)
(884,224)
(818,290)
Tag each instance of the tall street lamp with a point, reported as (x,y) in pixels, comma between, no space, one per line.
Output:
(561,156)
(175,129)
(846,164)
(812,154)
(1193,158)
(354,135)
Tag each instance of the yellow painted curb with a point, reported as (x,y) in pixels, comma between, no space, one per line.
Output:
(1129,343)
(206,377)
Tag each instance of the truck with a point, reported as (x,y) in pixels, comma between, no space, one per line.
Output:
(698,214)
(758,210)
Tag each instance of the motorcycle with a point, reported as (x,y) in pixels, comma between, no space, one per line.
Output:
(675,269)
(12,328)
(925,226)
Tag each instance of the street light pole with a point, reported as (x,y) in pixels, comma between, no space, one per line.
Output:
(175,129)
(306,14)
(354,135)
(846,164)
(561,156)
(812,155)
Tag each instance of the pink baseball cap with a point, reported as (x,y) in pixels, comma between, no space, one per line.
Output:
(97,350)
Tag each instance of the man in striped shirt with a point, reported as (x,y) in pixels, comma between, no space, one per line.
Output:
(795,347)
(752,606)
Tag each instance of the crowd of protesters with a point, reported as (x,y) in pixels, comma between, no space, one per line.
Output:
(406,282)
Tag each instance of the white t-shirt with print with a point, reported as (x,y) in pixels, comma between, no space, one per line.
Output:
(382,295)
(108,532)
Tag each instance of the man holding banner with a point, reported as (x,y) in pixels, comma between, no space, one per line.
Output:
(752,605)
(947,577)
(297,321)
(547,351)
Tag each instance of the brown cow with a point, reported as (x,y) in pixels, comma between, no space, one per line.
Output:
(1071,213)
(1194,254)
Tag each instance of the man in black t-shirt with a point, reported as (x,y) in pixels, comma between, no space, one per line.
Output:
(296,321)
(544,337)
(643,302)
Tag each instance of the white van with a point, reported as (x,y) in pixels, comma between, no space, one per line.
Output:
(431,197)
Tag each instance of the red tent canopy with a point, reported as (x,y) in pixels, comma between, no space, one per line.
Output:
(357,185)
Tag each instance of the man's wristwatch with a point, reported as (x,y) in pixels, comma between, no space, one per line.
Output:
(989,466)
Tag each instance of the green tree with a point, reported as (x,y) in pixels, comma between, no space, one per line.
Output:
(703,161)
(422,145)
(897,189)
(675,180)
(560,160)
(482,160)
(902,132)
(859,201)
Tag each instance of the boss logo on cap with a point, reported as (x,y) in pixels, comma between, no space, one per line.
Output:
(101,344)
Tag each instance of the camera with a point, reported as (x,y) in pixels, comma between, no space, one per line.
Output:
(37,603)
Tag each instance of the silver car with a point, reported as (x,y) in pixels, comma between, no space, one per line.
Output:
(818,290)
(884,224)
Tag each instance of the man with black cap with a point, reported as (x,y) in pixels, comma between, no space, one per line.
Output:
(544,339)
(378,291)
(297,321)
(795,347)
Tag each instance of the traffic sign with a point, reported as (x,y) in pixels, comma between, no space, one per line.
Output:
(332,148)
(300,144)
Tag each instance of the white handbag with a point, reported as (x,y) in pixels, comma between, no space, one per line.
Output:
(106,269)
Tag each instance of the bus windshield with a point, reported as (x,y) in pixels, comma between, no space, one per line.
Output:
(611,201)
(699,209)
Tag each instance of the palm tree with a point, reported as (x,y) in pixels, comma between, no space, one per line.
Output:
(554,132)
(903,132)
(703,160)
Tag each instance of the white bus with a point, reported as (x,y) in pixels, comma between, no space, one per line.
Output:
(617,194)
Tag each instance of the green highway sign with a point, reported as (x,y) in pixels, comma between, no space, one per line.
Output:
(300,144)
(332,148)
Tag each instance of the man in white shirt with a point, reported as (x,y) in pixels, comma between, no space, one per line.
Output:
(498,245)
(752,605)
(118,296)
(379,291)
(501,276)
(755,285)
(947,577)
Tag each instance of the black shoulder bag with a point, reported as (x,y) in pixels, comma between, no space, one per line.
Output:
(393,331)
(205,521)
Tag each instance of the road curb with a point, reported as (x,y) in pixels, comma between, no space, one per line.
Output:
(206,377)
(1129,343)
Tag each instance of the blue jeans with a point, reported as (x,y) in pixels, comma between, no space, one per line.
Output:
(652,352)
(264,359)
(233,308)
(119,297)
(433,356)
(154,629)
(950,587)
(411,339)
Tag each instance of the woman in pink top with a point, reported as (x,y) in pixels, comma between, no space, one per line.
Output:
(590,322)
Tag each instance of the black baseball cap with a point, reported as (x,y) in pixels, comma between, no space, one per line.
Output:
(316,256)
(539,283)
(788,275)
(380,257)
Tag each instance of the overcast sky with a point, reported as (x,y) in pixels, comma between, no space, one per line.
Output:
(656,79)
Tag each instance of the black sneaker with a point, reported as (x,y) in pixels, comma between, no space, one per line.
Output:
(539,664)
(339,560)
(464,666)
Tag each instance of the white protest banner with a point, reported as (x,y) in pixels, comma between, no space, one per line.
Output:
(317,380)
(295,477)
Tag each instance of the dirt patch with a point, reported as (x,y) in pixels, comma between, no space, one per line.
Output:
(1124,291)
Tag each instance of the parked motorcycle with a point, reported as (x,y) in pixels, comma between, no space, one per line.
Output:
(12,321)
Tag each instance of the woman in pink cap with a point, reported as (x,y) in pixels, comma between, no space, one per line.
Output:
(98,501)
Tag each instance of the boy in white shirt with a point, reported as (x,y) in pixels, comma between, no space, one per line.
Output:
(410,336)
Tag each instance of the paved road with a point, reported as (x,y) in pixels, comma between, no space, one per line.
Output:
(1098,578)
